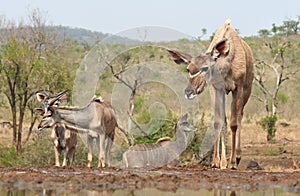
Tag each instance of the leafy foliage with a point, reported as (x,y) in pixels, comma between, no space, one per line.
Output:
(289,27)
(268,123)
(31,60)
(7,156)
(156,131)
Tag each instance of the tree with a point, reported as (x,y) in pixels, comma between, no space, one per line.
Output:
(203,33)
(288,27)
(270,88)
(264,33)
(28,63)
(292,26)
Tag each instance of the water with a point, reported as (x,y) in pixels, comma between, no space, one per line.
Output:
(30,191)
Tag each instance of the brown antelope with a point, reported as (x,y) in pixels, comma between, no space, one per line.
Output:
(97,119)
(230,59)
(63,139)
(164,152)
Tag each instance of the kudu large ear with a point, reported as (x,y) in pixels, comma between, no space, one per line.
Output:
(183,118)
(180,57)
(40,97)
(221,48)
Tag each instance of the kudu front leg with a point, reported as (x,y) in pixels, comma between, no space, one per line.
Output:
(56,153)
(219,120)
(65,157)
(220,135)
(90,151)
(216,154)
(223,147)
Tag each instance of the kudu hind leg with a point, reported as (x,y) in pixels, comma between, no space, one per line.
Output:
(101,157)
(70,156)
(235,125)
(244,100)
(108,142)
(238,144)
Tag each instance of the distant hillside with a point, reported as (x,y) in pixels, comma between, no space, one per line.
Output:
(91,37)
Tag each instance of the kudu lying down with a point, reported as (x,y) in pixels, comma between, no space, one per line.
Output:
(97,119)
(63,139)
(162,153)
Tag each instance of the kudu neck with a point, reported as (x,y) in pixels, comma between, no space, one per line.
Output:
(78,117)
(181,140)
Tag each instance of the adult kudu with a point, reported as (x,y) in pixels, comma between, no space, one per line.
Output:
(228,66)
(97,120)
(64,140)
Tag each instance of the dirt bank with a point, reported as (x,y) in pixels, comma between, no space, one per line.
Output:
(165,178)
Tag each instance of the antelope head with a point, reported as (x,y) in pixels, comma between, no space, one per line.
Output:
(183,125)
(201,69)
(48,110)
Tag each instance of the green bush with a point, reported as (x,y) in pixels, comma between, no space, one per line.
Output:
(7,156)
(158,130)
(268,123)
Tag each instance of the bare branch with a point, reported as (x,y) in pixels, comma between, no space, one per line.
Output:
(137,126)
(258,98)
(261,86)
(116,75)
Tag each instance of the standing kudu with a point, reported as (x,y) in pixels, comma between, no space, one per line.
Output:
(230,59)
(97,119)
(63,139)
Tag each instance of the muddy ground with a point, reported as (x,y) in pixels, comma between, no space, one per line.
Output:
(192,177)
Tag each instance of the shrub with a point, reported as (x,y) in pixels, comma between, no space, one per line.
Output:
(268,123)
(7,156)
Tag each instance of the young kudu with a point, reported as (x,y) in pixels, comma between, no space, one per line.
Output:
(164,152)
(97,119)
(63,139)
(229,58)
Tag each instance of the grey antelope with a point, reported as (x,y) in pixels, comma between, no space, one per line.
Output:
(228,66)
(164,152)
(97,119)
(64,140)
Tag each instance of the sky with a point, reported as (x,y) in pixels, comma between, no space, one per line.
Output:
(188,16)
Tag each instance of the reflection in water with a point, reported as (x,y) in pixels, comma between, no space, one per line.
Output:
(145,192)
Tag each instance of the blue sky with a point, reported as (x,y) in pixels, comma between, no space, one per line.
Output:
(189,16)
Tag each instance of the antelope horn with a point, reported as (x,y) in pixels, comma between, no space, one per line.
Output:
(46,93)
(44,107)
(61,95)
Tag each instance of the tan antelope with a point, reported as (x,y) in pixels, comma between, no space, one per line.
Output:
(63,139)
(164,152)
(97,120)
(228,57)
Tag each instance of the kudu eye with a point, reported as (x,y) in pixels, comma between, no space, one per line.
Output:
(187,69)
(204,69)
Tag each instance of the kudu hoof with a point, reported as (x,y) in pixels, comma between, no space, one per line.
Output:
(238,160)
